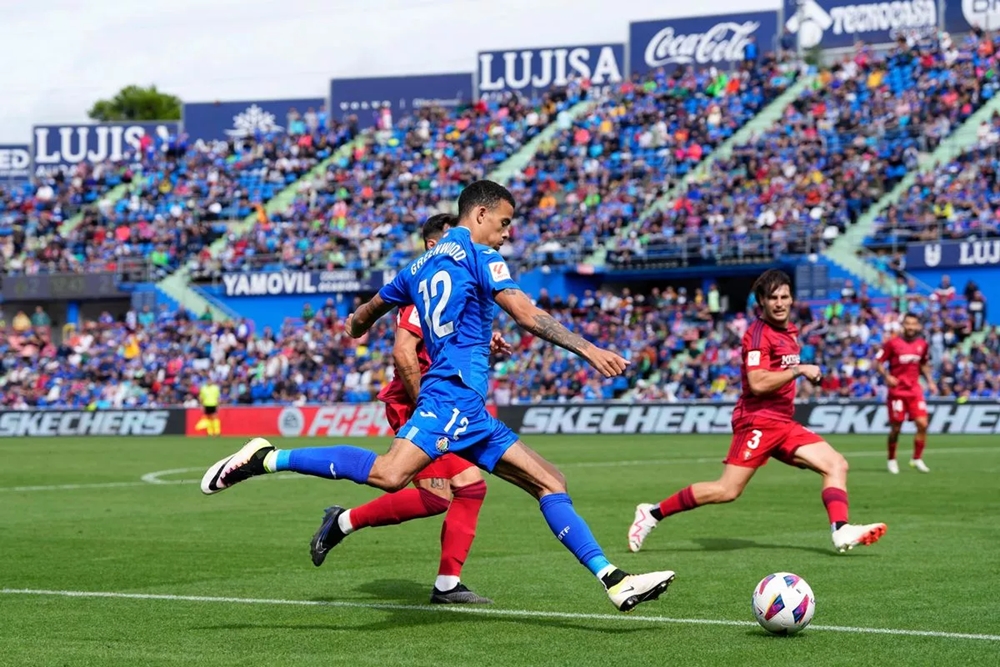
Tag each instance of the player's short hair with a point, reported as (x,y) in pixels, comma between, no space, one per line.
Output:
(483,193)
(908,314)
(768,282)
(434,226)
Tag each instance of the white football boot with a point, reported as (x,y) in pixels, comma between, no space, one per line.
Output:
(635,589)
(246,463)
(918,464)
(643,524)
(893,466)
(851,535)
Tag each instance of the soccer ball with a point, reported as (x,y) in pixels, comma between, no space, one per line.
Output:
(783,603)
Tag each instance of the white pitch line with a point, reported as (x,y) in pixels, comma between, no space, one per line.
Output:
(484,611)
(153,478)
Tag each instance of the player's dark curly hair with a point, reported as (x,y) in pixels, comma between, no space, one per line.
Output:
(434,226)
(768,282)
(483,193)
(912,314)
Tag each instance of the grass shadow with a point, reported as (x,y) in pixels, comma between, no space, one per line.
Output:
(761,633)
(737,544)
(405,592)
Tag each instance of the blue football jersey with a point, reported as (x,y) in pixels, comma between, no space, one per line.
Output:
(452,287)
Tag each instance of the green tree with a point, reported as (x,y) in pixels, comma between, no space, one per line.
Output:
(137,103)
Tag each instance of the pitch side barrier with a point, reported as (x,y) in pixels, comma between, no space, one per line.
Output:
(76,423)
(368,419)
(835,417)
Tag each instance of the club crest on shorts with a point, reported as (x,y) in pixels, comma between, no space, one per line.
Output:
(442,445)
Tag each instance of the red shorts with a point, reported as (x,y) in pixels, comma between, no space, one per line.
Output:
(398,414)
(753,444)
(903,408)
(445,467)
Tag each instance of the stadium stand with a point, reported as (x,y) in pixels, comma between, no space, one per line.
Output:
(31,215)
(955,201)
(845,142)
(679,346)
(365,212)
(598,174)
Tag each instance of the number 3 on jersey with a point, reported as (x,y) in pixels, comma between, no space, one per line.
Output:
(439,290)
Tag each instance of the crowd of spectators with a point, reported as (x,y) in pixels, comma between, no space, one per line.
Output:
(365,209)
(849,137)
(954,201)
(178,201)
(32,213)
(682,345)
(847,140)
(595,176)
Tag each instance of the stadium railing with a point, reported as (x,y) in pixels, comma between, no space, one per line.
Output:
(700,249)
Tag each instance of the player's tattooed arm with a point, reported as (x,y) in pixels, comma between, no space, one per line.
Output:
(366,315)
(407,361)
(535,320)
(532,318)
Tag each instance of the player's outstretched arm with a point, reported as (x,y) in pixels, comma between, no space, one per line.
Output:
(532,318)
(766,382)
(367,315)
(407,360)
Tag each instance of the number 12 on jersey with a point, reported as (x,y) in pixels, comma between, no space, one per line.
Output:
(439,288)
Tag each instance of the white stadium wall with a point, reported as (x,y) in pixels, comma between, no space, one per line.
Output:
(258,49)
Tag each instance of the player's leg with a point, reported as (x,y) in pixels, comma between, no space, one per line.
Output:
(524,468)
(918,412)
(749,449)
(467,490)
(822,458)
(386,510)
(205,423)
(896,417)
(215,424)
(430,497)
(390,471)
(726,489)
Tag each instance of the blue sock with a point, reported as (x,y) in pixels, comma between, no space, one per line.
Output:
(337,462)
(570,529)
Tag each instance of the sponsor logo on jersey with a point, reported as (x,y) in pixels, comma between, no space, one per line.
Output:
(910,358)
(789,360)
(500,271)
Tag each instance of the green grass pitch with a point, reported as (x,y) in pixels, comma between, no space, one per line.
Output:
(75,515)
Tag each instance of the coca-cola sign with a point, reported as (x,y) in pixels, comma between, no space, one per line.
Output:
(703,41)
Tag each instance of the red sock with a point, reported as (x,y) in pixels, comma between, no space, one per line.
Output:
(893,441)
(459,528)
(681,501)
(836,505)
(393,508)
(919,442)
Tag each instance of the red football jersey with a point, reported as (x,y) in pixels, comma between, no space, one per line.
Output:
(771,349)
(906,358)
(395,391)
